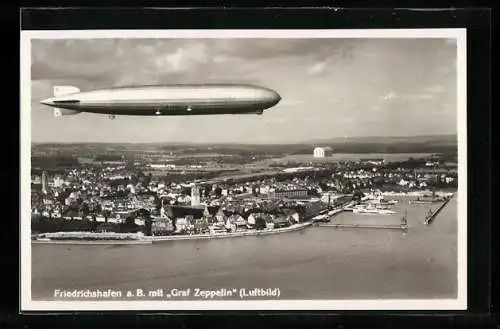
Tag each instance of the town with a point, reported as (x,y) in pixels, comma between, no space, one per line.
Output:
(158,195)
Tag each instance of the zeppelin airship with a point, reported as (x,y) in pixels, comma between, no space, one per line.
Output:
(165,100)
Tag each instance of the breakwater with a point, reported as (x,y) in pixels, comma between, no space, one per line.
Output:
(432,214)
(393,227)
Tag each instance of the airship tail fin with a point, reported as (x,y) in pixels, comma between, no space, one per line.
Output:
(65,90)
(61,91)
(58,112)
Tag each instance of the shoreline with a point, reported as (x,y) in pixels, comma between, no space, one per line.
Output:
(91,242)
(418,193)
(293,228)
(159,239)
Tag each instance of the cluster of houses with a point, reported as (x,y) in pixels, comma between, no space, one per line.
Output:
(178,219)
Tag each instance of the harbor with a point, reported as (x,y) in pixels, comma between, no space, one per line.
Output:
(378,207)
(402,226)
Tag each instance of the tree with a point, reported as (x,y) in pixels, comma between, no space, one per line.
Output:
(207,191)
(260,223)
(143,213)
(148,225)
(129,225)
(357,195)
(106,213)
(84,209)
(174,223)
(50,210)
(158,203)
(147,179)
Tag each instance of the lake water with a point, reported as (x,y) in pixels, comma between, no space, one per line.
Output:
(316,263)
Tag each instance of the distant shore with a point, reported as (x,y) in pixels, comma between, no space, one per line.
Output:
(75,238)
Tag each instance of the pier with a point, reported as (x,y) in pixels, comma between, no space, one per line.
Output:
(403,226)
(390,227)
(432,214)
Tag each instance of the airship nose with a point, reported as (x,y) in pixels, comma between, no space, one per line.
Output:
(278,97)
(273,97)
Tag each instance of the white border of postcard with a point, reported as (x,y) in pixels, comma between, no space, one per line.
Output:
(27,304)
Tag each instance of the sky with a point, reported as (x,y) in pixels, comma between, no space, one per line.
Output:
(330,88)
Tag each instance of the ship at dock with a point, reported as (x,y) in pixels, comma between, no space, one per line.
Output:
(373,203)
(428,198)
(372,209)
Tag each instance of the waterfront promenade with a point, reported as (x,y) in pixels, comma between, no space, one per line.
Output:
(134,238)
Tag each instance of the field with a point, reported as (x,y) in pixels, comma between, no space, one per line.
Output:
(308,158)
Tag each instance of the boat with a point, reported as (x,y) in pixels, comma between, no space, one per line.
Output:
(425,201)
(370,209)
(382,201)
(333,212)
(404,222)
(321,218)
(428,198)
(364,210)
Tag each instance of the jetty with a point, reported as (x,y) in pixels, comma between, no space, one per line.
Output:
(432,214)
(393,227)
(403,226)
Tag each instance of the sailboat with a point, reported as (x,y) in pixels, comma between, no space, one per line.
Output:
(404,222)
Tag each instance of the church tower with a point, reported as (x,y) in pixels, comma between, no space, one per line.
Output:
(195,196)
(44,182)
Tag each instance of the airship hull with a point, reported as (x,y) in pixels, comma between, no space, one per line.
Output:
(169,100)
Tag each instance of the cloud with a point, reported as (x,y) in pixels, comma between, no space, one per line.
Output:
(291,102)
(437,89)
(389,97)
(251,49)
(393,96)
(184,58)
(317,68)
(419,96)
(220,59)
